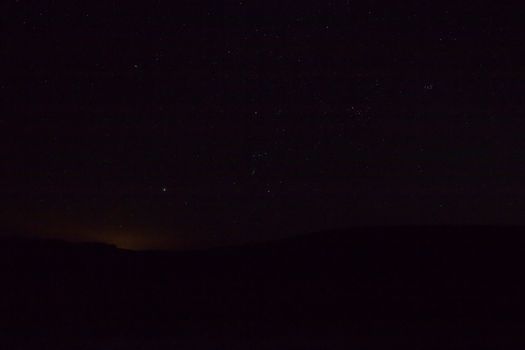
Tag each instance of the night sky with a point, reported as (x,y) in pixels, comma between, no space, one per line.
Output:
(194,123)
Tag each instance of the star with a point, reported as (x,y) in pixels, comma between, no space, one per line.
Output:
(164,189)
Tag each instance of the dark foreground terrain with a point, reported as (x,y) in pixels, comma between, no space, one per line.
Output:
(423,288)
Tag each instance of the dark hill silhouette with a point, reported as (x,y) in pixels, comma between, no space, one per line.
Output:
(403,275)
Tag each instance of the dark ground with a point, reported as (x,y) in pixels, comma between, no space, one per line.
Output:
(427,287)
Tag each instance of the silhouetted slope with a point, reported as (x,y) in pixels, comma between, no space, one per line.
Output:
(361,275)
